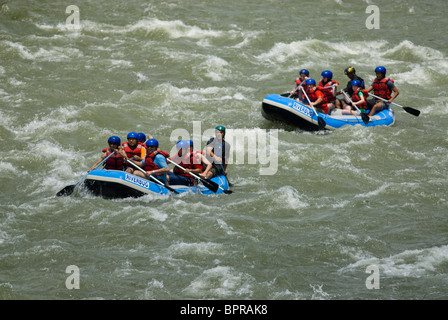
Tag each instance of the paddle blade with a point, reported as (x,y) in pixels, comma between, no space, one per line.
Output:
(321,122)
(412,111)
(68,190)
(210,185)
(365,118)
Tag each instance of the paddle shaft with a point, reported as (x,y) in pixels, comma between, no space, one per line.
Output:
(364,117)
(320,121)
(385,100)
(69,189)
(155,179)
(304,92)
(299,86)
(197,177)
(207,183)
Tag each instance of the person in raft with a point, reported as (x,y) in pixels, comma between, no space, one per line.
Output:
(187,160)
(383,88)
(359,98)
(133,150)
(154,163)
(328,86)
(218,153)
(315,96)
(350,72)
(116,161)
(296,92)
(206,166)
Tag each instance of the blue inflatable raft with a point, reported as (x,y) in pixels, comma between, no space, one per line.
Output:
(119,184)
(277,107)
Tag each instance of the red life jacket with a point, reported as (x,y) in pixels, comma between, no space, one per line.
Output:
(328,93)
(380,88)
(188,161)
(356,98)
(199,156)
(313,97)
(115,162)
(137,151)
(149,161)
(298,82)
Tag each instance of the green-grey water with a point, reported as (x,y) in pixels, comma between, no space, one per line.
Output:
(337,204)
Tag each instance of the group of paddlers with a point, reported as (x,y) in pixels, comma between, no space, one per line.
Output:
(141,155)
(323,95)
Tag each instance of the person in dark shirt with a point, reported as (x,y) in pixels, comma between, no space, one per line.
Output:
(350,72)
(218,153)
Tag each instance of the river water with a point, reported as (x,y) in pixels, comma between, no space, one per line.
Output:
(358,213)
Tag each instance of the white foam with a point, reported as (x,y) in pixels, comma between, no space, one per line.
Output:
(195,249)
(53,54)
(410,263)
(220,282)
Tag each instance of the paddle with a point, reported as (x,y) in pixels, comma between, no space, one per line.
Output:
(222,167)
(207,183)
(320,121)
(157,180)
(68,190)
(364,116)
(294,91)
(410,110)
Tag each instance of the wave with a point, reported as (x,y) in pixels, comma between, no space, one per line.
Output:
(409,263)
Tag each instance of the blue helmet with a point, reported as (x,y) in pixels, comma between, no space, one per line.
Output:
(132,135)
(310,81)
(114,139)
(152,142)
(189,142)
(327,74)
(356,83)
(305,72)
(141,137)
(380,69)
(181,144)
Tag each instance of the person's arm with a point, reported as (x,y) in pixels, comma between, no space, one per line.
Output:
(207,163)
(396,93)
(103,156)
(319,99)
(361,97)
(160,161)
(216,159)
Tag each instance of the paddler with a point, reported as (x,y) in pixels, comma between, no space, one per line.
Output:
(133,150)
(154,163)
(315,95)
(218,153)
(359,99)
(118,160)
(205,164)
(382,88)
(187,160)
(297,93)
(328,86)
(350,72)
